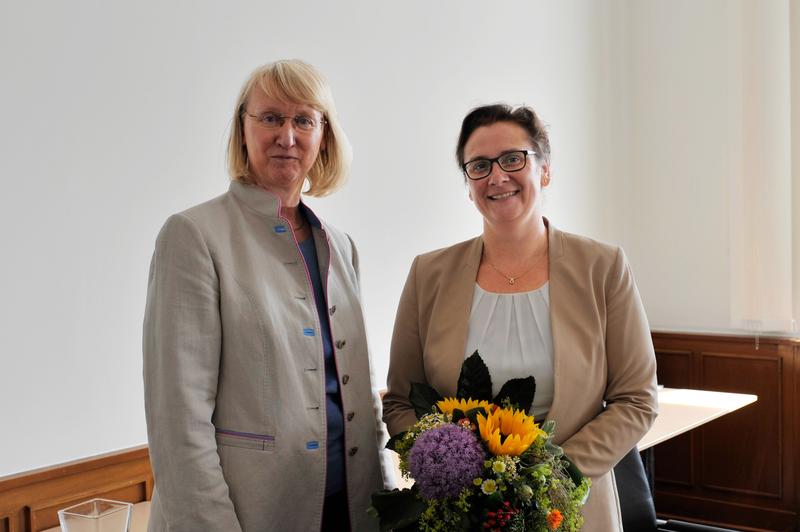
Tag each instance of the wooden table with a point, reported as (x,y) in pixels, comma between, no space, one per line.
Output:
(681,410)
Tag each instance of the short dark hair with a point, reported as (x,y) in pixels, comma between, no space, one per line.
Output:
(523,116)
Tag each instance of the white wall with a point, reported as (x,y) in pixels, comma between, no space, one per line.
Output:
(114,117)
(702,165)
(675,158)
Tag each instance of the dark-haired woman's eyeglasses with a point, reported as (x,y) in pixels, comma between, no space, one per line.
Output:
(512,161)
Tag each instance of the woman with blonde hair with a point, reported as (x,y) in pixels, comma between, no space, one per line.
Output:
(260,412)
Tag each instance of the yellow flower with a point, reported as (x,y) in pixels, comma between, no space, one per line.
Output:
(489,486)
(465,405)
(508,431)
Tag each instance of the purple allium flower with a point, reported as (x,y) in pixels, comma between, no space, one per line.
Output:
(444,460)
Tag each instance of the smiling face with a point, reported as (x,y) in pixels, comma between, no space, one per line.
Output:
(505,197)
(279,159)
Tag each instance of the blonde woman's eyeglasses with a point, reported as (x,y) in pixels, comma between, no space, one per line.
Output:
(272,120)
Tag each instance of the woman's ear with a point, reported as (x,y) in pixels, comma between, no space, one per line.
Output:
(545,180)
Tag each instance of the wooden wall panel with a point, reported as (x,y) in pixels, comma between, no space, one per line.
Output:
(738,516)
(674,368)
(673,458)
(743,468)
(753,464)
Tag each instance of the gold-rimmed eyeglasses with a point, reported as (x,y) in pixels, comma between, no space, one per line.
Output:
(271,120)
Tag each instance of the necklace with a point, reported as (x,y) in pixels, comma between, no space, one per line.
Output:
(512,279)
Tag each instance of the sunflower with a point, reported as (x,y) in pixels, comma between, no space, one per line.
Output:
(508,431)
(449,404)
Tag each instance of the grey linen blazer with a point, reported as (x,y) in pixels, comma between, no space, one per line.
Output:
(605,396)
(234,374)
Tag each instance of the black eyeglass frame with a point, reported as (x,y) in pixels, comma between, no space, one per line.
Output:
(497,160)
(282,119)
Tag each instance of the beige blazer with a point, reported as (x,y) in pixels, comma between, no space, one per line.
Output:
(605,396)
(234,375)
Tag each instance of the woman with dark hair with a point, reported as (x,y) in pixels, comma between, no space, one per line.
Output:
(533,300)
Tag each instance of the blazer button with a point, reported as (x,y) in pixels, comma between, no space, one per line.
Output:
(350,416)
(340,344)
(345,379)
(332,310)
(352,451)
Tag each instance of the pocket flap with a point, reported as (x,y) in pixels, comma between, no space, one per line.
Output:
(260,442)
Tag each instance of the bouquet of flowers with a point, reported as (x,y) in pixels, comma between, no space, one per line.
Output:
(481,463)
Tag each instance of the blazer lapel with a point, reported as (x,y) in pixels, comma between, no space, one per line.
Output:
(447,336)
(558,311)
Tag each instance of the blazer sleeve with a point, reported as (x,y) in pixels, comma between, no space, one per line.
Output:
(631,394)
(181,345)
(405,359)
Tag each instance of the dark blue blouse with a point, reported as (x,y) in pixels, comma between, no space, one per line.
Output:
(335,479)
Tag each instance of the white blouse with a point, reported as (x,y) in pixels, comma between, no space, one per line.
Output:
(512,334)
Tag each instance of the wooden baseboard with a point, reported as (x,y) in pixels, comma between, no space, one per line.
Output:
(29,501)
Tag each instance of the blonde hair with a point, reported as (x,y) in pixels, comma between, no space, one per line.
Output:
(294,81)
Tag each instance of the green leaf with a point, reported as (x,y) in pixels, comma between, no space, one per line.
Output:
(553,449)
(519,392)
(573,471)
(396,508)
(549,427)
(394,440)
(474,382)
(423,397)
